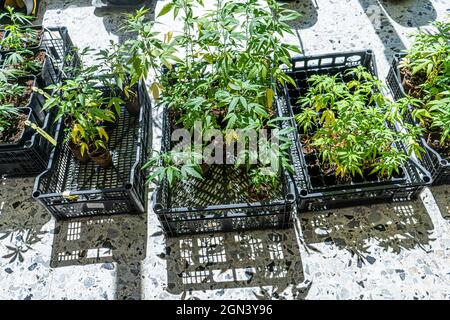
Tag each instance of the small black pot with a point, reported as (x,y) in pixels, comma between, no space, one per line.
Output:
(102,158)
(76,151)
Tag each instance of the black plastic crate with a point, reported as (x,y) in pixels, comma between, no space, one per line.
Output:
(218,203)
(322,195)
(438,166)
(69,189)
(61,57)
(25,133)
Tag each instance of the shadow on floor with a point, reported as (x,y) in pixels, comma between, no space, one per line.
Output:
(410,13)
(395,227)
(118,239)
(442,196)
(113,18)
(383,28)
(308,11)
(237,260)
(21,220)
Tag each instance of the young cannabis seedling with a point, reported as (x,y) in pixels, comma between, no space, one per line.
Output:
(351,125)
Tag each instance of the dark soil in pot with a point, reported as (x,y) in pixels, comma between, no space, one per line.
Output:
(433,139)
(38,59)
(37,37)
(102,158)
(260,193)
(14,132)
(76,151)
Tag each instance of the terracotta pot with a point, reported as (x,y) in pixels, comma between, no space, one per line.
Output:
(76,151)
(102,158)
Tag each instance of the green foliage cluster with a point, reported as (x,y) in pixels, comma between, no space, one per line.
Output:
(221,72)
(426,70)
(351,125)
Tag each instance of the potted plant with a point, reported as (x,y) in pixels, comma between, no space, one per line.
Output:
(128,63)
(348,146)
(223,78)
(22,70)
(20,33)
(11,124)
(421,78)
(86,111)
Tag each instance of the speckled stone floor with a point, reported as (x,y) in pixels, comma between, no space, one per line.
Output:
(392,251)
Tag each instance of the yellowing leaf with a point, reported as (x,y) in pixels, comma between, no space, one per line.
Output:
(154,88)
(102,133)
(270,94)
(168,36)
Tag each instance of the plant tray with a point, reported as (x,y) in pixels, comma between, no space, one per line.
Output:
(219,202)
(314,191)
(69,189)
(437,165)
(31,156)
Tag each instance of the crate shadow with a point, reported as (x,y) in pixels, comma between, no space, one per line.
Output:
(21,220)
(410,13)
(441,195)
(105,240)
(383,28)
(235,260)
(394,227)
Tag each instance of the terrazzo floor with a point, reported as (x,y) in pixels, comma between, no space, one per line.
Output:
(392,251)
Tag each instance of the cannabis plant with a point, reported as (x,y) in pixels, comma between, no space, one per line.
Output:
(85,108)
(19,34)
(426,78)
(228,61)
(11,93)
(23,62)
(146,52)
(350,125)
